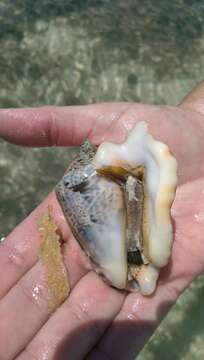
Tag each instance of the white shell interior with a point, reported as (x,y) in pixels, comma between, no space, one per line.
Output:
(107,247)
(140,148)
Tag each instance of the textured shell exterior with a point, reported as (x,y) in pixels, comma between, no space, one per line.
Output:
(94,207)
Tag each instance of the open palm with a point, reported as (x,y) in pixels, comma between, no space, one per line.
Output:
(97,321)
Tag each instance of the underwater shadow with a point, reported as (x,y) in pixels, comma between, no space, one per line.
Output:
(128,340)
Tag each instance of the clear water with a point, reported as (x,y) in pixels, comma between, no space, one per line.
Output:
(82,51)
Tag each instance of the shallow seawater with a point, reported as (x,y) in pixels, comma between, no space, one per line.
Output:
(79,52)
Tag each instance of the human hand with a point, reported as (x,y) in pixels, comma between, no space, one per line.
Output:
(97,321)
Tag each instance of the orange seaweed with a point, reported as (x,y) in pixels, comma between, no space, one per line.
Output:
(51,256)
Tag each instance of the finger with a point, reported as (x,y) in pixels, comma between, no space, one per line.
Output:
(27,300)
(194,100)
(132,328)
(20,250)
(23,311)
(140,315)
(71,125)
(78,324)
(49,126)
(26,303)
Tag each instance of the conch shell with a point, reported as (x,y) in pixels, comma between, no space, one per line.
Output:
(117,200)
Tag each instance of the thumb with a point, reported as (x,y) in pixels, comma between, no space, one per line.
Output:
(195,99)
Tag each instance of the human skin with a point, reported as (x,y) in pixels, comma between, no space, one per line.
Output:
(97,321)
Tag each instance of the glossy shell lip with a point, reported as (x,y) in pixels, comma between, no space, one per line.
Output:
(117,200)
(141,149)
